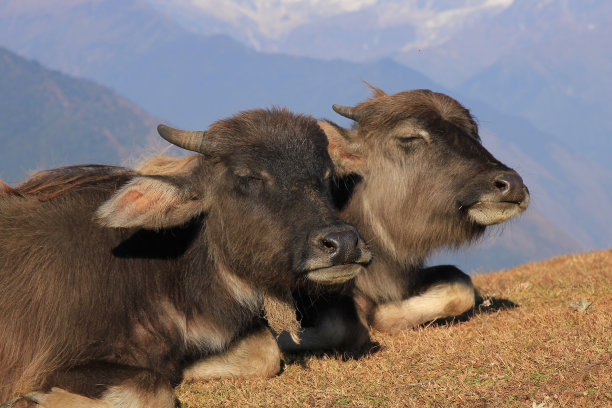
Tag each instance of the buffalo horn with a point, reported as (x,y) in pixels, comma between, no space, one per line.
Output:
(347,112)
(187,139)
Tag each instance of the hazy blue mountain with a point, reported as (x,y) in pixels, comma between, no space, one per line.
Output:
(573,32)
(585,126)
(547,61)
(532,237)
(49,119)
(172,73)
(190,81)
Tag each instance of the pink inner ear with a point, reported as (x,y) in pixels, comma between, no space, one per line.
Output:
(335,150)
(356,160)
(148,203)
(135,201)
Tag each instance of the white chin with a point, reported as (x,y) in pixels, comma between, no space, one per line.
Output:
(491,213)
(335,274)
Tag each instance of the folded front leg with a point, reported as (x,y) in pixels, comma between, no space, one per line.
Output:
(102,385)
(55,398)
(255,355)
(444,291)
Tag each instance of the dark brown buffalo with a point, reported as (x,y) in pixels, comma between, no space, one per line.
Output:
(413,177)
(113,282)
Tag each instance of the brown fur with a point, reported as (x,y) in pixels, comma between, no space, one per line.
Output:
(105,265)
(421,162)
(48,184)
(279,310)
(6,189)
(105,386)
(165,165)
(280,314)
(383,112)
(256,355)
(409,172)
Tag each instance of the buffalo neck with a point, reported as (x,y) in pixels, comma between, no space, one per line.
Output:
(391,271)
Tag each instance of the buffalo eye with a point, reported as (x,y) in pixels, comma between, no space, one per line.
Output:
(409,143)
(249,184)
(405,140)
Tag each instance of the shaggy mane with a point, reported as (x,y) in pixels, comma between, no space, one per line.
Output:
(48,184)
(8,190)
(165,165)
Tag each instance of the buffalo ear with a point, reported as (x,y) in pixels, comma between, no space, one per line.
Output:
(151,202)
(376,92)
(345,148)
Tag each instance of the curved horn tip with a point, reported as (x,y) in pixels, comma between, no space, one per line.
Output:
(187,139)
(163,129)
(346,111)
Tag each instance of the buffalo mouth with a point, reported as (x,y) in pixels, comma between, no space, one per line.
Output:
(335,274)
(495,212)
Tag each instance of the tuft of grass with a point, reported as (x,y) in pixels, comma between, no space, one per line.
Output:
(542,337)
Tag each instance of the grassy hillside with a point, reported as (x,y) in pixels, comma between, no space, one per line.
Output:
(541,338)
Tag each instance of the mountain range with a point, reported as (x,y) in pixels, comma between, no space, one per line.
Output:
(189,80)
(358,30)
(548,61)
(49,119)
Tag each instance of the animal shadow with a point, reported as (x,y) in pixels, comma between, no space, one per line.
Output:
(301,358)
(486,304)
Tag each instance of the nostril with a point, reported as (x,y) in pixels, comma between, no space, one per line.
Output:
(329,245)
(502,185)
(341,246)
(511,186)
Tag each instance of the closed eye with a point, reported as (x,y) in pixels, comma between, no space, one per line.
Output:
(250,183)
(409,139)
(251,179)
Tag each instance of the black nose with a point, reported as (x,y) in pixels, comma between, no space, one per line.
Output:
(341,246)
(511,187)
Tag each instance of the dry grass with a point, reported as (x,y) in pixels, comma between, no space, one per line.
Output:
(545,352)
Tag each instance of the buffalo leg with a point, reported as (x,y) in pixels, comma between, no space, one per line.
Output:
(255,355)
(55,398)
(441,291)
(103,385)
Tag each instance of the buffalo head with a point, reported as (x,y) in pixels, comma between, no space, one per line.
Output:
(261,184)
(426,180)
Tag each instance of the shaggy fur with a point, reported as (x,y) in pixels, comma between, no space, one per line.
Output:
(413,177)
(279,311)
(408,175)
(114,281)
(280,314)
(421,167)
